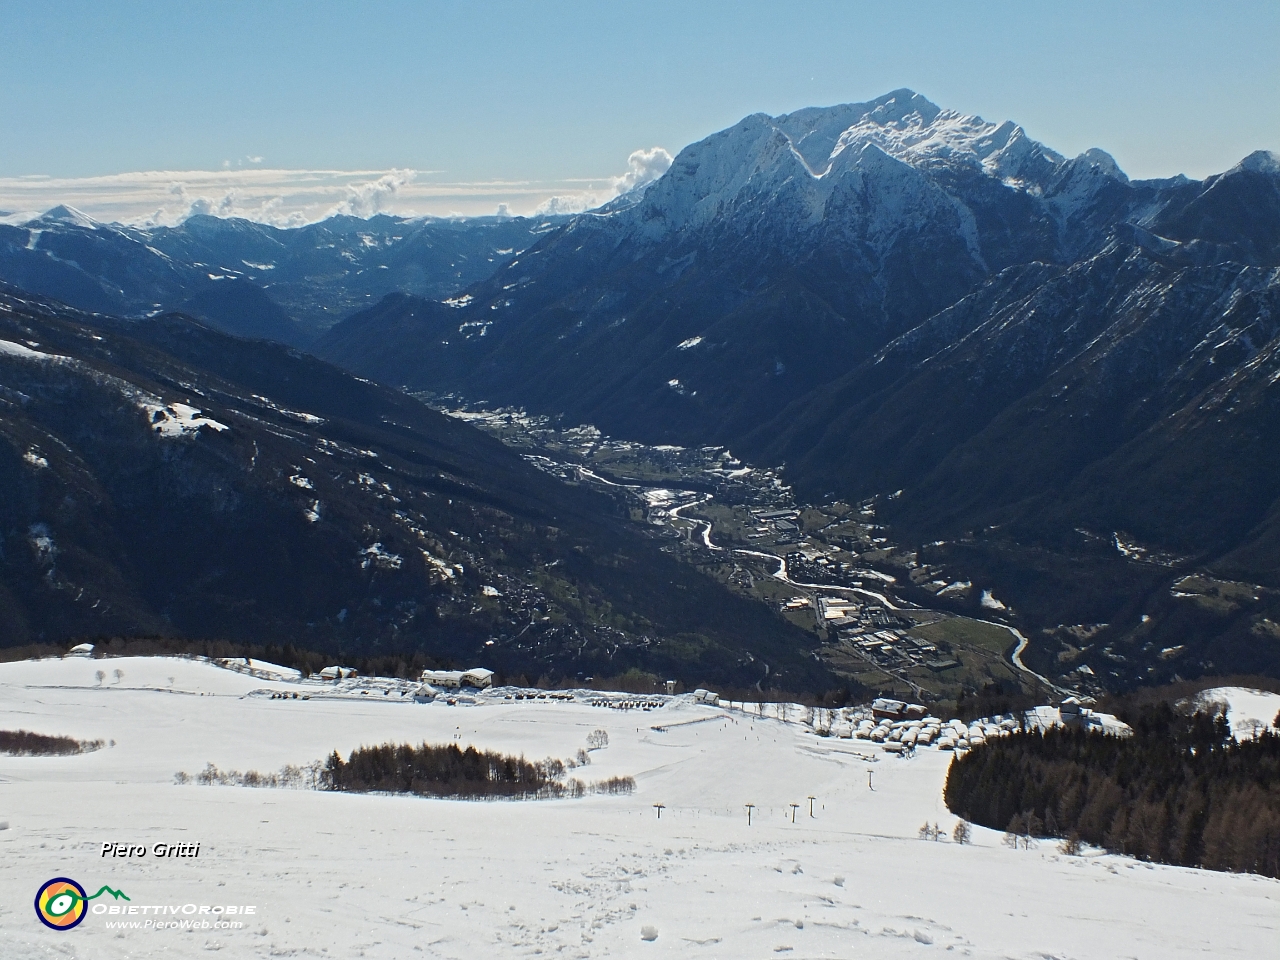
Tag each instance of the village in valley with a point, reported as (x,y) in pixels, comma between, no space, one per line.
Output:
(830,568)
(896,727)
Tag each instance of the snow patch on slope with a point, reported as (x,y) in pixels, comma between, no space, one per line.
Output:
(10,349)
(171,420)
(1249,712)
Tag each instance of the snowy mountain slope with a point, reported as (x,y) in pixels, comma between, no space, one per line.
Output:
(795,247)
(162,478)
(1238,210)
(349,875)
(1117,342)
(289,283)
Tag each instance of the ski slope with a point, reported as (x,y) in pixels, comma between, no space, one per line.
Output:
(338,875)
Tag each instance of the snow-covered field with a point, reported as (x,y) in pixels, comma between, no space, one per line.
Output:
(337,875)
(1249,712)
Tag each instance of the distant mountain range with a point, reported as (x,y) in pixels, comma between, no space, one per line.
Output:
(161,477)
(251,279)
(775,256)
(895,299)
(1049,374)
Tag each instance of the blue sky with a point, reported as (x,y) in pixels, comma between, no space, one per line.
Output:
(555,92)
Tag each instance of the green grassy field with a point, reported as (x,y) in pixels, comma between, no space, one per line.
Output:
(980,648)
(963,632)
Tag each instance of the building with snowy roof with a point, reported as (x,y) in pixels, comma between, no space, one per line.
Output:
(477,677)
(338,673)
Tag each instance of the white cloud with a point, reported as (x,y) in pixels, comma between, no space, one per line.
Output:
(561,204)
(367,199)
(644,166)
(294,197)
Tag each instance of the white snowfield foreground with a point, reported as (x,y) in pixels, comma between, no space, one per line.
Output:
(338,875)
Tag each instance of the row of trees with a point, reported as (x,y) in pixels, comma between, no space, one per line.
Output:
(931,831)
(289,776)
(23,743)
(449,771)
(1180,790)
(435,771)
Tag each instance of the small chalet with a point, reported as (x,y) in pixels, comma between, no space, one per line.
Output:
(477,677)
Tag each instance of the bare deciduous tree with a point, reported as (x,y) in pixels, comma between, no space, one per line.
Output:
(597,739)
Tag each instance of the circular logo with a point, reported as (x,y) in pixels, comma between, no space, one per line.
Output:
(60,904)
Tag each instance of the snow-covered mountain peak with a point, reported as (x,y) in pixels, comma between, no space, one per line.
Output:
(1260,161)
(65,213)
(904,104)
(1103,162)
(910,128)
(815,131)
(1077,182)
(871,170)
(791,162)
(808,143)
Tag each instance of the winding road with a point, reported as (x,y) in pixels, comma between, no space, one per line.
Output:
(1016,659)
(781,574)
(705,524)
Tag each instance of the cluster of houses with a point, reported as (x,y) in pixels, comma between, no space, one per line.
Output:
(901,727)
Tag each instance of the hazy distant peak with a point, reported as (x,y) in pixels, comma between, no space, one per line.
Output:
(68,214)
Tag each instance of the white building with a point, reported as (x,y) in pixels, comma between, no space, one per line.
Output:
(477,677)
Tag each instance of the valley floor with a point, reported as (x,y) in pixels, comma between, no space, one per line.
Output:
(338,875)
